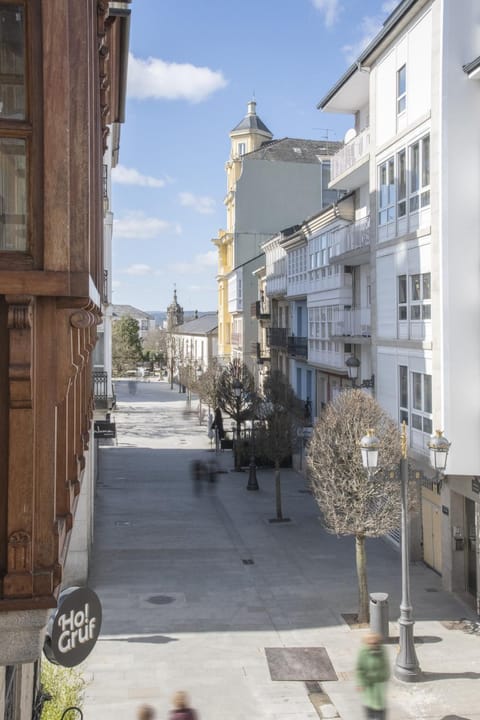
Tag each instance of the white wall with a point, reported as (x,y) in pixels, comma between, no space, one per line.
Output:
(459,231)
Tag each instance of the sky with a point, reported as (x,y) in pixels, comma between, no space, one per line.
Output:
(193,67)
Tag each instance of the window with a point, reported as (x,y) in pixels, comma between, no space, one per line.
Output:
(402,183)
(422,402)
(420,174)
(421,298)
(415,297)
(387,192)
(241,148)
(402,298)
(15,141)
(401,89)
(403,393)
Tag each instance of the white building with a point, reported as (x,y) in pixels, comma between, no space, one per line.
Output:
(412,162)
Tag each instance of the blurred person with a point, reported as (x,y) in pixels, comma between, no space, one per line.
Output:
(145,712)
(181,709)
(373,671)
(199,473)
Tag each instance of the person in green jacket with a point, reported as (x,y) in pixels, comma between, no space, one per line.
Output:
(373,671)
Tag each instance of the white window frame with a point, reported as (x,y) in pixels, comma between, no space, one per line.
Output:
(401,89)
(421,410)
(386,191)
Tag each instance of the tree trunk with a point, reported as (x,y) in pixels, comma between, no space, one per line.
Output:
(278,491)
(361,560)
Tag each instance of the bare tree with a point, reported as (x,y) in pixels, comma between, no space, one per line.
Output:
(352,503)
(238,407)
(282,415)
(206,384)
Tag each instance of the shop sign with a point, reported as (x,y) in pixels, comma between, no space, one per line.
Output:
(73,627)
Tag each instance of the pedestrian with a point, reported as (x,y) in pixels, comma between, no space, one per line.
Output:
(199,473)
(145,712)
(181,709)
(373,671)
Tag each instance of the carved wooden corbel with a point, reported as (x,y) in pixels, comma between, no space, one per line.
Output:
(20,323)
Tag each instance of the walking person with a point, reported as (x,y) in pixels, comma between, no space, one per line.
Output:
(181,709)
(145,712)
(373,671)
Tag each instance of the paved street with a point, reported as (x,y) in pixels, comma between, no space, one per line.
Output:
(195,587)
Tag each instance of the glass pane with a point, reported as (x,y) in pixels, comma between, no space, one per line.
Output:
(402,289)
(415,312)
(414,167)
(13,195)
(427,393)
(427,312)
(401,104)
(12,62)
(425,202)
(427,426)
(402,176)
(402,208)
(416,287)
(417,390)
(401,80)
(403,386)
(414,203)
(402,312)
(426,161)
(404,417)
(427,291)
(417,421)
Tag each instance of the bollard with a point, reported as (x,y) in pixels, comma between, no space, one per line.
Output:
(379,614)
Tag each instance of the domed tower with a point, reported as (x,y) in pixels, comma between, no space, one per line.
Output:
(174,313)
(249,134)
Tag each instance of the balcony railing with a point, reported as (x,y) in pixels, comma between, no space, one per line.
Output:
(352,237)
(260,310)
(297,346)
(100,390)
(260,352)
(353,323)
(237,339)
(351,153)
(277,337)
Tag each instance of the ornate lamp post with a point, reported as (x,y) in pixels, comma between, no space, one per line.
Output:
(237,391)
(352,364)
(406,667)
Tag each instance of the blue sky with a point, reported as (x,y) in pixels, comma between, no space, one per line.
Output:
(193,67)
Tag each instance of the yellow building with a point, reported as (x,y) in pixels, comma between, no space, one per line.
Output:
(246,137)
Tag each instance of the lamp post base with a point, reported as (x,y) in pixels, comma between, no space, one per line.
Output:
(407,668)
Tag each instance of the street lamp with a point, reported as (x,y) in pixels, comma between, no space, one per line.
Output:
(406,667)
(353,364)
(237,391)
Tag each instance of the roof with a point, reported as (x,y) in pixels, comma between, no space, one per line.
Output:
(199,326)
(123,310)
(251,121)
(295,150)
(390,23)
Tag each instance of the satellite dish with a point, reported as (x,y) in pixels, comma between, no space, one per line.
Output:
(349,135)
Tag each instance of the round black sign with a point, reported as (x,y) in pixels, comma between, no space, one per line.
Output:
(74,627)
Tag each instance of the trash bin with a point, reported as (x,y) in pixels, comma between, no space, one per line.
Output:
(379,614)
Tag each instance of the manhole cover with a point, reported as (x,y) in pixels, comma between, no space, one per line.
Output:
(302,663)
(161,599)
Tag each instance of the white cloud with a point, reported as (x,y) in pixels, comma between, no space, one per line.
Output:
(200,264)
(330,9)
(138,226)
(129,176)
(200,203)
(160,80)
(139,269)
(370,25)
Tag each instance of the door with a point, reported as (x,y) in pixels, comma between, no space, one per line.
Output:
(432,534)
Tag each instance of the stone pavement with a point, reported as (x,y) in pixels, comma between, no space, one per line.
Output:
(195,587)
